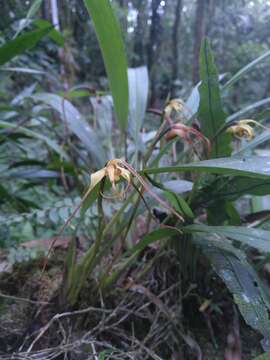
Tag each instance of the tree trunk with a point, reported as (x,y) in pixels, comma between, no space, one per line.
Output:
(55,17)
(199,32)
(139,54)
(45,10)
(154,33)
(211,10)
(61,51)
(153,44)
(122,3)
(175,44)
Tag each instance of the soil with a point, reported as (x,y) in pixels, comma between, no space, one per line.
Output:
(159,316)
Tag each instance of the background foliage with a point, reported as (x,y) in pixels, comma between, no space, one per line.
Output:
(127,82)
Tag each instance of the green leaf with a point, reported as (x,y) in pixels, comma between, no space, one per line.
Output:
(257,238)
(258,140)
(179,204)
(75,93)
(31,12)
(246,69)
(70,264)
(247,109)
(217,189)
(49,142)
(211,114)
(22,43)
(55,35)
(264,356)
(34,8)
(263,115)
(103,115)
(76,123)
(232,214)
(18,203)
(112,47)
(178,186)
(238,186)
(193,102)
(242,282)
(92,195)
(221,212)
(152,237)
(31,174)
(131,255)
(138,92)
(23,70)
(253,166)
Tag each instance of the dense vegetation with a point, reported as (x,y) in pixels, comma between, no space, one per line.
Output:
(135,179)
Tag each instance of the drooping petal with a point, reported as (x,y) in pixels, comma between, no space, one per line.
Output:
(96,177)
(110,172)
(176,132)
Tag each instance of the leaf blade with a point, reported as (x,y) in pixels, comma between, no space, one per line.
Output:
(76,123)
(21,43)
(211,114)
(247,109)
(240,279)
(138,91)
(246,69)
(256,238)
(253,166)
(112,47)
(54,34)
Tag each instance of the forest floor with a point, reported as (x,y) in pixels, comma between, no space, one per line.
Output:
(157,316)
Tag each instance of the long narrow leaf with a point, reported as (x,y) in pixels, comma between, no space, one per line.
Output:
(54,34)
(132,254)
(253,166)
(112,47)
(76,123)
(31,12)
(239,186)
(49,142)
(258,140)
(246,69)
(23,70)
(248,109)
(138,91)
(265,356)
(241,280)
(22,43)
(256,238)
(211,114)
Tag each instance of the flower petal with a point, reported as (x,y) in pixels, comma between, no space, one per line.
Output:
(96,177)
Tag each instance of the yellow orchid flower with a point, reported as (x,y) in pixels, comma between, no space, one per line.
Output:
(114,170)
(176,105)
(243,128)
